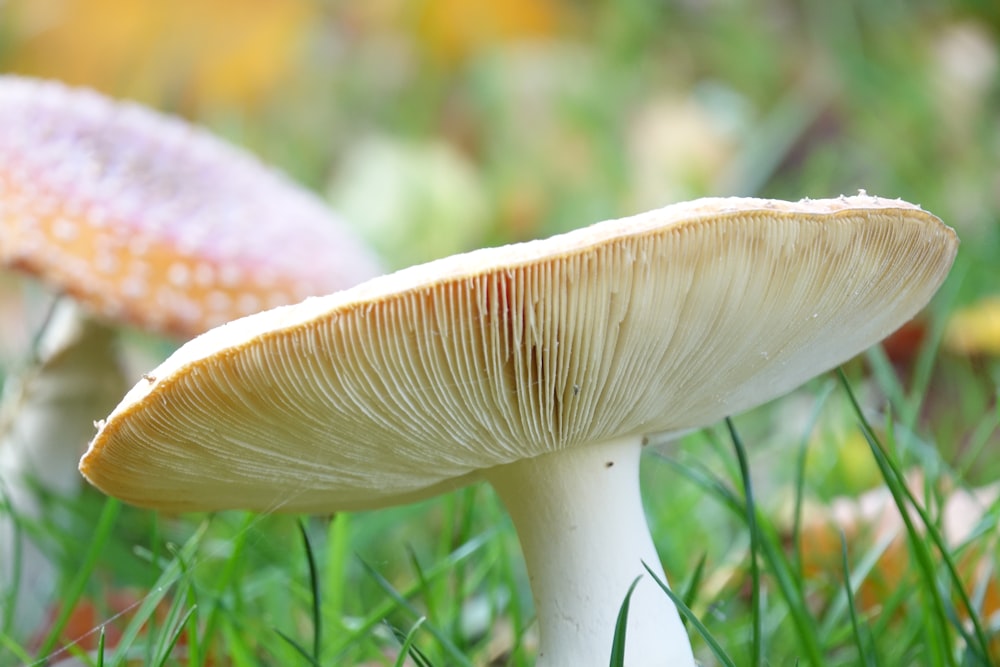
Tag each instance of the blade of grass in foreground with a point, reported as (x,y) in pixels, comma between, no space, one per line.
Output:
(169,576)
(439,568)
(789,584)
(19,652)
(838,608)
(692,587)
(756,651)
(317,614)
(904,500)
(175,627)
(313,657)
(225,581)
(407,648)
(299,648)
(404,650)
(866,650)
(100,648)
(428,594)
(692,618)
(504,583)
(456,655)
(335,568)
(11,593)
(621,628)
(800,474)
(101,535)
(159,644)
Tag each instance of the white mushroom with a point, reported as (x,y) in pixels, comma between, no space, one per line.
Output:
(537,367)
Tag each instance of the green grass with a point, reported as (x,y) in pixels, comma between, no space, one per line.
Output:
(370,585)
(806,99)
(439,581)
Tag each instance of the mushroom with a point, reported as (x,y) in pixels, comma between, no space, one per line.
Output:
(142,220)
(150,221)
(538,367)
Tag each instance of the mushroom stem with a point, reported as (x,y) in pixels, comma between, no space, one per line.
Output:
(579,517)
(47,415)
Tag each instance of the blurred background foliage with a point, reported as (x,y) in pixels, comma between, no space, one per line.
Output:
(438,126)
(546,115)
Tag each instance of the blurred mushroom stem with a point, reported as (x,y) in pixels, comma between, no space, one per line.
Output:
(47,416)
(579,517)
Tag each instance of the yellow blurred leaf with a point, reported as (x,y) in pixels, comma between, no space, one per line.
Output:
(186,53)
(451,30)
(975,329)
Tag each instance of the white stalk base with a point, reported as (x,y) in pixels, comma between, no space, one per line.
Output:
(581,524)
(46,418)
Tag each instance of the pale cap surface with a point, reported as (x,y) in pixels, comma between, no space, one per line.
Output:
(150,221)
(410,383)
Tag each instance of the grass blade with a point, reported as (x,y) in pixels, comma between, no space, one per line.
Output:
(621,628)
(174,634)
(101,535)
(693,584)
(168,577)
(299,648)
(317,615)
(404,650)
(692,618)
(100,648)
(441,568)
(751,512)
(784,573)
(866,652)
(407,648)
(226,580)
(335,567)
(904,499)
(838,608)
(800,474)
(403,603)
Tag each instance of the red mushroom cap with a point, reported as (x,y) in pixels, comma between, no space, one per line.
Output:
(152,222)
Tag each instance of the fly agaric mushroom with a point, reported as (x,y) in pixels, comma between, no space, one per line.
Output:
(150,221)
(141,220)
(538,367)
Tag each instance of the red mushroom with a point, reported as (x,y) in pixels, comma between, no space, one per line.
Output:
(142,220)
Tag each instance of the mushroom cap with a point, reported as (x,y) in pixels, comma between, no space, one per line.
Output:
(149,221)
(414,382)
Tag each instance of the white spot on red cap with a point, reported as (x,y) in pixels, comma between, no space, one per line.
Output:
(219,301)
(65,229)
(204,274)
(179,275)
(248,303)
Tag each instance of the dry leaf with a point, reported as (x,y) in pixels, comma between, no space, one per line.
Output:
(872,520)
